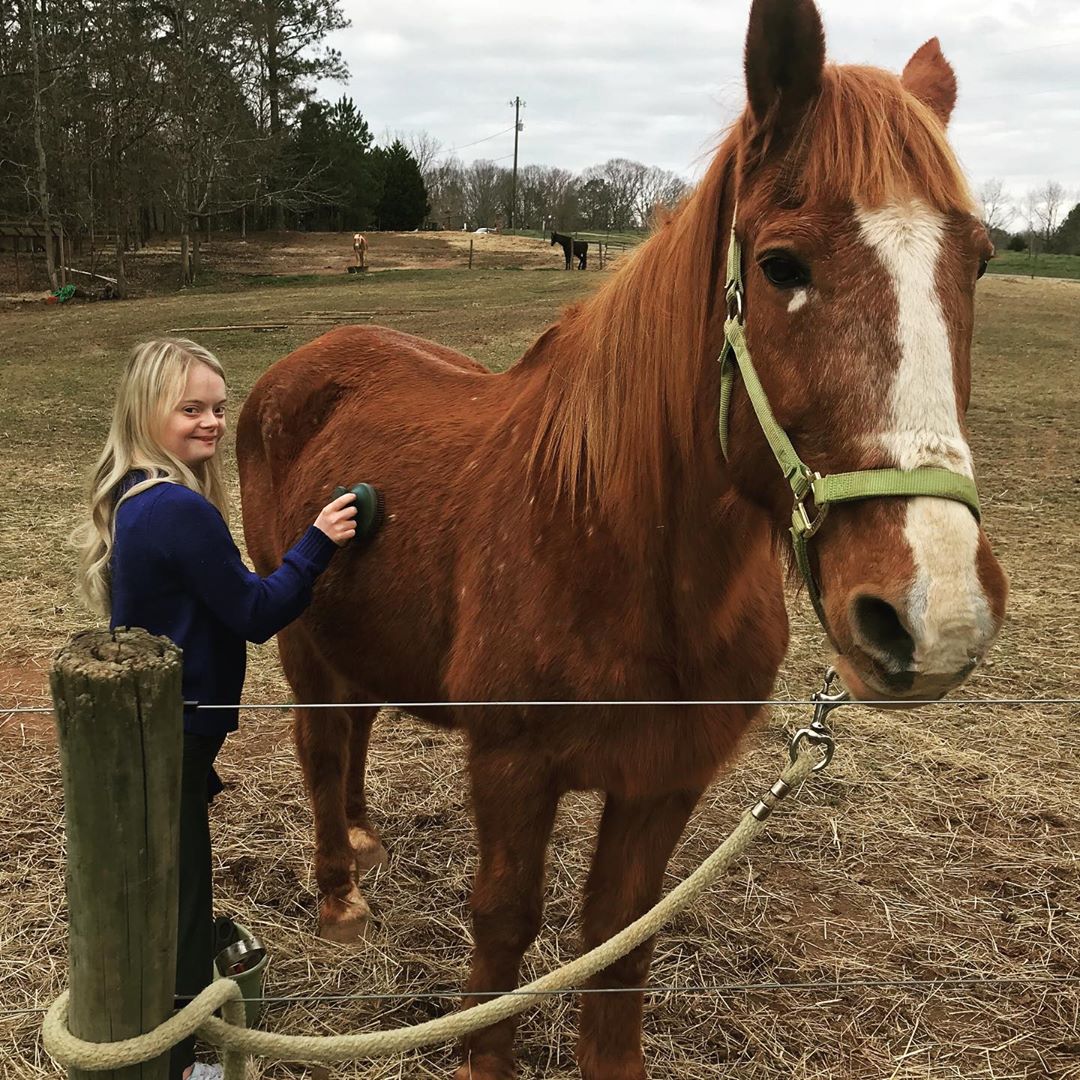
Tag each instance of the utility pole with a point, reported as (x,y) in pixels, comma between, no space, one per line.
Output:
(518,105)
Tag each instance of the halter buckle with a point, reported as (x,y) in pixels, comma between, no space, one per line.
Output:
(734,302)
(806,526)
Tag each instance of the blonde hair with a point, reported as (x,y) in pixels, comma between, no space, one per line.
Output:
(152,386)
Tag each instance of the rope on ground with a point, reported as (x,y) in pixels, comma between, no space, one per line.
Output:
(74,1052)
(238,1041)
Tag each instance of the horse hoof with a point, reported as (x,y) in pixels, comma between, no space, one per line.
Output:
(610,1070)
(346,920)
(368,852)
(485,1067)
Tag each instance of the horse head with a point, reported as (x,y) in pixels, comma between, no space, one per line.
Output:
(859,252)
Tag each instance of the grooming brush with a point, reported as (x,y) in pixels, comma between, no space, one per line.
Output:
(370,510)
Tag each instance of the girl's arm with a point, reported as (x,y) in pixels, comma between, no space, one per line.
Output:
(191,533)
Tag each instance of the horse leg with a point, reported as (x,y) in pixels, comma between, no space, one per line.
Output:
(514,803)
(322,738)
(367,848)
(635,842)
(322,745)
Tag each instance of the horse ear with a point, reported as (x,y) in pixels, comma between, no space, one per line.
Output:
(930,78)
(785,56)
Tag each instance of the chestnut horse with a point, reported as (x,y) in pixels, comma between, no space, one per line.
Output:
(571,529)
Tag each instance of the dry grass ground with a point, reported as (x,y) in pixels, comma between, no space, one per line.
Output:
(940,845)
(230,261)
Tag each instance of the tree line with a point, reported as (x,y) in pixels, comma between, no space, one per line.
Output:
(618,195)
(1038,221)
(122,119)
(615,196)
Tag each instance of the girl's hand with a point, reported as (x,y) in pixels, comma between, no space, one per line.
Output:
(338,519)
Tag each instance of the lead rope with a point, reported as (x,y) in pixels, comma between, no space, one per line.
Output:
(810,750)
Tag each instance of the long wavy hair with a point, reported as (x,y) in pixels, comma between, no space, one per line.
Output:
(152,386)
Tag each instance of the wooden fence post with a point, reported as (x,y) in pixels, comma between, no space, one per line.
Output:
(119,712)
(470,252)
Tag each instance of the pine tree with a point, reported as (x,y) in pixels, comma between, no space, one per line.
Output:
(287,35)
(333,142)
(404,203)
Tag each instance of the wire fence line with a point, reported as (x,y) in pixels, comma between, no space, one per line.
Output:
(834,986)
(11,710)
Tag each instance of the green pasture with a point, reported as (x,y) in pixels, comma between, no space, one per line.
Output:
(1020,262)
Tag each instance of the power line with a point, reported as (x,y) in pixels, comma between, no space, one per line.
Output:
(465,146)
(1034,48)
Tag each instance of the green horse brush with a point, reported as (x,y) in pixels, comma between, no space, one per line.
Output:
(370,510)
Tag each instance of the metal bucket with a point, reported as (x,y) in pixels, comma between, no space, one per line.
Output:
(244,962)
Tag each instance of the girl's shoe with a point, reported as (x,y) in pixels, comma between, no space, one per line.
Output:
(201,1071)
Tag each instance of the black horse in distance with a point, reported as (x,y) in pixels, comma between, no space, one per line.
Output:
(580,248)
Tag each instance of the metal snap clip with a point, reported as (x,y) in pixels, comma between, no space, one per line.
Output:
(817,734)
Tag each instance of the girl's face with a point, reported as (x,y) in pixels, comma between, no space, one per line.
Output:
(192,430)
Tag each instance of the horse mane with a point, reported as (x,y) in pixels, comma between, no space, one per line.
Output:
(618,361)
(626,364)
(867,140)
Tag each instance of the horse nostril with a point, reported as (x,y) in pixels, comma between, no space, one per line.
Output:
(879,630)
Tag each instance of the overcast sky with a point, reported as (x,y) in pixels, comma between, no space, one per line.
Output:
(656,80)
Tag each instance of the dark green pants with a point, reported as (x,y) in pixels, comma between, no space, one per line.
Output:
(195,926)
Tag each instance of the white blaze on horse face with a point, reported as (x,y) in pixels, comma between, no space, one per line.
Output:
(947,611)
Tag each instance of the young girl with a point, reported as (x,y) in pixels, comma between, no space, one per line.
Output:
(158,554)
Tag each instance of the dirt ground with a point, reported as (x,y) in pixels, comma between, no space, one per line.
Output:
(232,261)
(914,914)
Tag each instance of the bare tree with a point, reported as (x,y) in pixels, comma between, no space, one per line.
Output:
(620,180)
(561,188)
(423,146)
(660,190)
(445,182)
(288,38)
(545,196)
(1044,206)
(206,121)
(997,209)
(39,113)
(482,180)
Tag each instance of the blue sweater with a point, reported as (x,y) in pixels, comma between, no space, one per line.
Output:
(176,572)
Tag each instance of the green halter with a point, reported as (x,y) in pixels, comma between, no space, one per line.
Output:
(804,481)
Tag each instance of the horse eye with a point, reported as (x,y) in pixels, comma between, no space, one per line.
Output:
(983,264)
(784,272)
